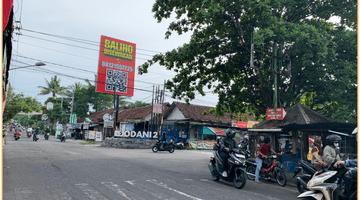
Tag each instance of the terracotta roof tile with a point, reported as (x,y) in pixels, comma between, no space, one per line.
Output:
(194,112)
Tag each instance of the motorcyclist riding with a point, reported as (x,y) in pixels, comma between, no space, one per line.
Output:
(47,131)
(331,154)
(17,130)
(226,145)
(163,140)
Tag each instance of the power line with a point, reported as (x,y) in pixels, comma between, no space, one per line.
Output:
(74,45)
(74,68)
(79,40)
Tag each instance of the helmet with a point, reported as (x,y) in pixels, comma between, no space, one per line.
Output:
(246,137)
(331,138)
(230,133)
(266,140)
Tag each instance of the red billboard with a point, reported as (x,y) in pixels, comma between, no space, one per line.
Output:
(116,70)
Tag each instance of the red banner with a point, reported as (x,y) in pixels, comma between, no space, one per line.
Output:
(7,5)
(239,124)
(116,70)
(219,131)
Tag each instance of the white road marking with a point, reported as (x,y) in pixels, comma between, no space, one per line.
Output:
(204,179)
(130,182)
(115,188)
(187,179)
(90,192)
(155,193)
(169,188)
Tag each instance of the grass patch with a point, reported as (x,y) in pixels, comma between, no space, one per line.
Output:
(87,143)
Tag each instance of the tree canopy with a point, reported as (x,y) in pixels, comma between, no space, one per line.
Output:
(52,87)
(313,55)
(16,103)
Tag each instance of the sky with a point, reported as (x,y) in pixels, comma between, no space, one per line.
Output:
(49,31)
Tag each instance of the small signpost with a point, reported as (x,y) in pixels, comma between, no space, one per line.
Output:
(98,137)
(49,106)
(107,117)
(278,115)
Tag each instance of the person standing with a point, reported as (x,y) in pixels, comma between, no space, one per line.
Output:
(263,151)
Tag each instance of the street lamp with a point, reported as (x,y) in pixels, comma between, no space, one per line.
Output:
(36,64)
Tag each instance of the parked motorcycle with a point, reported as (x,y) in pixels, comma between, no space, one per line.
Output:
(180,145)
(305,178)
(35,137)
(236,171)
(62,137)
(325,185)
(170,146)
(270,169)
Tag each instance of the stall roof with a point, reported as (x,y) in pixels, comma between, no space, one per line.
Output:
(265,130)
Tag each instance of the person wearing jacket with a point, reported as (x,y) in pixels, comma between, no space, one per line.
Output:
(226,145)
(330,151)
(317,152)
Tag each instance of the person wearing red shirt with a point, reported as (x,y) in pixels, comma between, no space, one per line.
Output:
(263,151)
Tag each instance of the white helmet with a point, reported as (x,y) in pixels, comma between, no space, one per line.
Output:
(246,136)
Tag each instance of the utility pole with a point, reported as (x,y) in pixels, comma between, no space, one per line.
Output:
(275,78)
(72,102)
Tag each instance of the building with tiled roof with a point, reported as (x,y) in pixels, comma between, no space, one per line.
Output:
(188,121)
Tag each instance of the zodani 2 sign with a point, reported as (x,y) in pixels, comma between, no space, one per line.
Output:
(134,134)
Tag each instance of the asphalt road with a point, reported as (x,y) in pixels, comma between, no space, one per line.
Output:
(70,170)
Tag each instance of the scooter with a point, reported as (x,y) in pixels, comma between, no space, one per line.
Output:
(180,145)
(325,185)
(17,136)
(269,170)
(35,137)
(29,134)
(46,136)
(63,137)
(305,178)
(170,146)
(236,170)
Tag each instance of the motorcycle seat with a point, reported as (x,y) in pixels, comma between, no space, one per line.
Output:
(251,160)
(307,167)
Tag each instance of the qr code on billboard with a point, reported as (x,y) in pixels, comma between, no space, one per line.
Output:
(118,79)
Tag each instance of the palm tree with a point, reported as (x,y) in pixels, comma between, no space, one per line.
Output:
(53,87)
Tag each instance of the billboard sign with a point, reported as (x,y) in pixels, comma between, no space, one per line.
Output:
(157,108)
(116,69)
(279,114)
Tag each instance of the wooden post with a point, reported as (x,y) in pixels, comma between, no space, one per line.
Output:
(294,140)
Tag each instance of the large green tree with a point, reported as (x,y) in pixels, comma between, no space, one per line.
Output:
(18,102)
(295,34)
(53,87)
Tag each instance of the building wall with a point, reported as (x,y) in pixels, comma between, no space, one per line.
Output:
(176,114)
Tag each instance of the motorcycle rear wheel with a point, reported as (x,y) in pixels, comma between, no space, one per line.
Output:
(281,178)
(155,149)
(239,179)
(251,169)
(172,150)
